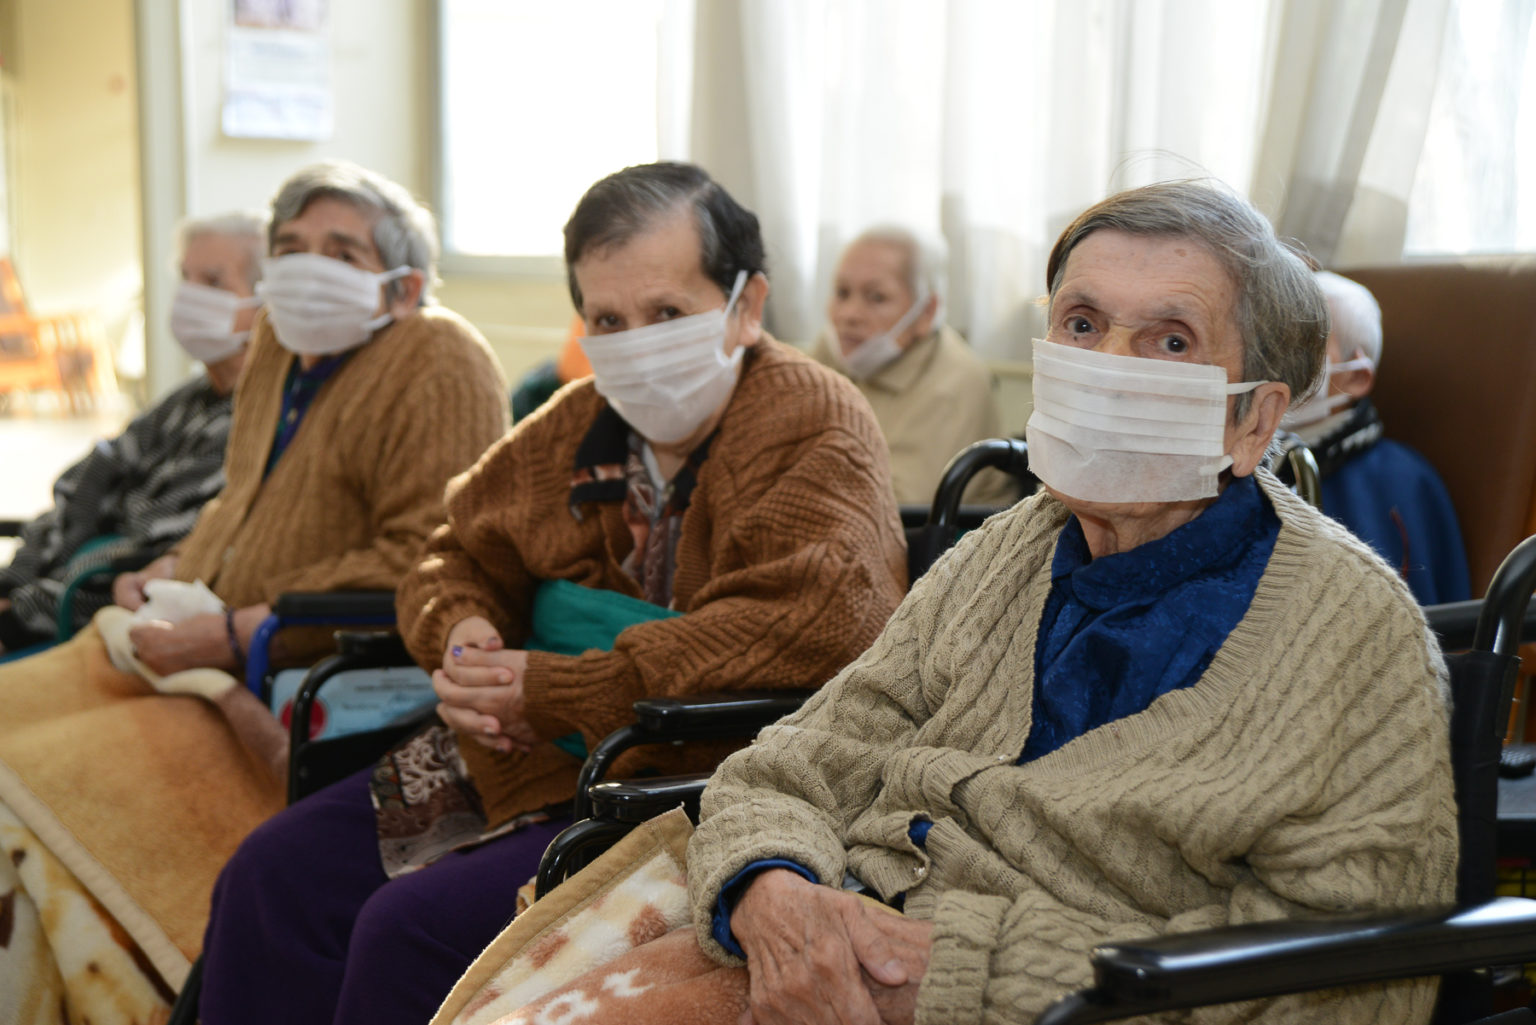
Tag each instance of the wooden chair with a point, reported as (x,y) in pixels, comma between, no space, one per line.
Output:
(66,354)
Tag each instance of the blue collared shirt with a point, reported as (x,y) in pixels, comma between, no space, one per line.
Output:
(299,391)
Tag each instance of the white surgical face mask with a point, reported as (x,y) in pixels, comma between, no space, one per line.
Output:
(666,379)
(320,306)
(1320,405)
(203,321)
(879,351)
(1110,428)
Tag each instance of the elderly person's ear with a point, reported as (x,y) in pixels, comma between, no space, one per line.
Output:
(749,310)
(1251,436)
(1356,383)
(405,293)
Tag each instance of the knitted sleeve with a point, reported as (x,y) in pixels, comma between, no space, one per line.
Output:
(793,793)
(809,566)
(437,426)
(449,584)
(1379,833)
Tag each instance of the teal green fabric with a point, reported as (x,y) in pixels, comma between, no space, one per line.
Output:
(569,619)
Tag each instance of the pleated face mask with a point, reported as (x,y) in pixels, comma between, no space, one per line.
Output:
(1111,428)
(666,379)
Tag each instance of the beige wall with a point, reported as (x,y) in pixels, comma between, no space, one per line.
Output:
(382,74)
(73,141)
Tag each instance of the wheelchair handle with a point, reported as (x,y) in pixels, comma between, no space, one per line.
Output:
(1509,594)
(1011,455)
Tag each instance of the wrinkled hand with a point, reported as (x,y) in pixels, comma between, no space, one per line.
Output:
(193,643)
(128,588)
(818,955)
(481,687)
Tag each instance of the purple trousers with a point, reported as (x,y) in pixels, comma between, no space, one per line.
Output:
(307,930)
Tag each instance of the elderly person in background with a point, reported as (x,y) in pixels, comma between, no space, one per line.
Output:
(123,797)
(1381,489)
(720,500)
(135,495)
(1161,696)
(930,393)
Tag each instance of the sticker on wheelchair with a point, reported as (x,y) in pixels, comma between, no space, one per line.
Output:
(356,700)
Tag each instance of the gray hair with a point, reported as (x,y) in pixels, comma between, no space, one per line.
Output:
(927,261)
(404,231)
(1355,313)
(247,226)
(629,202)
(1280,313)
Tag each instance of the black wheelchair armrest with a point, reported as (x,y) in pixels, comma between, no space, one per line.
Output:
(638,800)
(673,720)
(1266,959)
(11,528)
(705,716)
(336,605)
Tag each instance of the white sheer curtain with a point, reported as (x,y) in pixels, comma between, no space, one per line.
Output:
(1348,106)
(993,122)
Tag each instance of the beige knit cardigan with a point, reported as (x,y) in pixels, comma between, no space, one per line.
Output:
(351,501)
(1307,772)
(790,560)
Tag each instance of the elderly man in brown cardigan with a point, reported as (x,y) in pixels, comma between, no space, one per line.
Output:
(728,496)
(359,401)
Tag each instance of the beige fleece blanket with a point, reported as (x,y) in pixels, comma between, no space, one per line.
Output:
(62,957)
(612,943)
(140,796)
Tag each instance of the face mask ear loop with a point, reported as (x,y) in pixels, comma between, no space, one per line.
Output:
(910,317)
(736,290)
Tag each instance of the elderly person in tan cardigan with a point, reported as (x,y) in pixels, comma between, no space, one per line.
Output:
(359,400)
(1161,696)
(720,500)
(932,395)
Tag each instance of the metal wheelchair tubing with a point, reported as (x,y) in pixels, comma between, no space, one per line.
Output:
(1308,478)
(573,841)
(1007,454)
(1509,594)
(258,659)
(599,759)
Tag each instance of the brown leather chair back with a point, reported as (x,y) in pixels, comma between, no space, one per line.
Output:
(1458,383)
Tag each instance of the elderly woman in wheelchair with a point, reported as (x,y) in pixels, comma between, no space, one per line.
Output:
(1160,696)
(120,798)
(711,512)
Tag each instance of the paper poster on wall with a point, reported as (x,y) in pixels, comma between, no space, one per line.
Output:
(277,70)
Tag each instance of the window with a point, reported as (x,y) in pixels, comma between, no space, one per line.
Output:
(1475,190)
(537,101)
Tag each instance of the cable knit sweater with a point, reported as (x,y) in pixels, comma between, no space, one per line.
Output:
(1307,772)
(791,559)
(356,493)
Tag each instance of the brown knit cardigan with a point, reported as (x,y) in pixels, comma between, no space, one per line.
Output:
(360,486)
(791,559)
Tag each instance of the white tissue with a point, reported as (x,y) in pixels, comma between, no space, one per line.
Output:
(175,600)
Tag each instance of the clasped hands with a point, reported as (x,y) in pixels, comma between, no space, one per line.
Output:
(480,687)
(819,956)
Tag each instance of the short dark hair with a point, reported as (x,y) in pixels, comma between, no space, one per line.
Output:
(1280,309)
(628,202)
